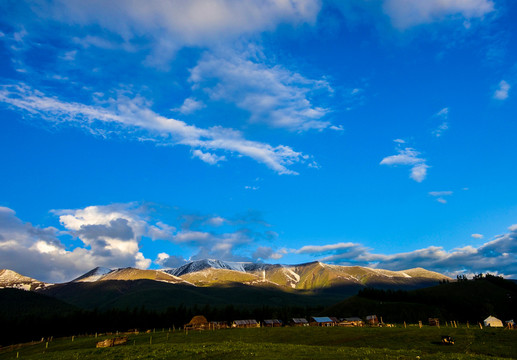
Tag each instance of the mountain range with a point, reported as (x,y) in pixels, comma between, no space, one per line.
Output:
(313,276)
(209,272)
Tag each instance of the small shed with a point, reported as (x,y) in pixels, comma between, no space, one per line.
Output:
(299,322)
(434,322)
(492,321)
(198,322)
(321,321)
(251,323)
(272,323)
(351,321)
(372,320)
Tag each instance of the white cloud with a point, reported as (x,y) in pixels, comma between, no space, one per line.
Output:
(496,256)
(407,13)
(477,236)
(440,195)
(408,156)
(190,105)
(271,94)
(266,252)
(109,236)
(209,158)
(171,25)
(502,92)
(132,116)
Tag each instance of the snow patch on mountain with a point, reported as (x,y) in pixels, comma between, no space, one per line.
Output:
(93,275)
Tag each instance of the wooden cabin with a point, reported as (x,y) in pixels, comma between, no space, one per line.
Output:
(321,321)
(272,323)
(299,322)
(245,324)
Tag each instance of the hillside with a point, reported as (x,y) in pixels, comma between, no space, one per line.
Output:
(16,303)
(156,295)
(471,300)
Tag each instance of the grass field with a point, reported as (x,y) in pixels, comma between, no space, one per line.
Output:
(286,343)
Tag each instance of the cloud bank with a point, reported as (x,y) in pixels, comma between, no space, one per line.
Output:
(112,236)
(497,256)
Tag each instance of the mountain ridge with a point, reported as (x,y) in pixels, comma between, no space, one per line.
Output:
(212,272)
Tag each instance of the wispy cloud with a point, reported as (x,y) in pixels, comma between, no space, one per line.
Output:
(477,236)
(443,116)
(440,195)
(270,93)
(410,157)
(502,91)
(407,13)
(133,116)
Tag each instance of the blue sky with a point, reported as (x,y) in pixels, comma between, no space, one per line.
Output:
(377,133)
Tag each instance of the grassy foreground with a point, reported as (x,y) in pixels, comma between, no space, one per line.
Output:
(283,343)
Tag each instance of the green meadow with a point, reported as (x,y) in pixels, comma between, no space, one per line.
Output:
(284,343)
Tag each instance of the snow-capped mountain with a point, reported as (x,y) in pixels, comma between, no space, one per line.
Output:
(93,275)
(203,264)
(11,279)
(306,276)
(103,274)
(210,272)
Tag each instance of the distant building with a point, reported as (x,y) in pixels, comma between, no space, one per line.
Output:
(321,321)
(245,324)
(492,321)
(272,323)
(299,322)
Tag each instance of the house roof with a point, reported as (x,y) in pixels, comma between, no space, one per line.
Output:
(300,321)
(246,322)
(272,321)
(322,319)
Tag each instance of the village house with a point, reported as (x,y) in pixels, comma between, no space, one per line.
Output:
(299,322)
(272,323)
(245,324)
(321,321)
